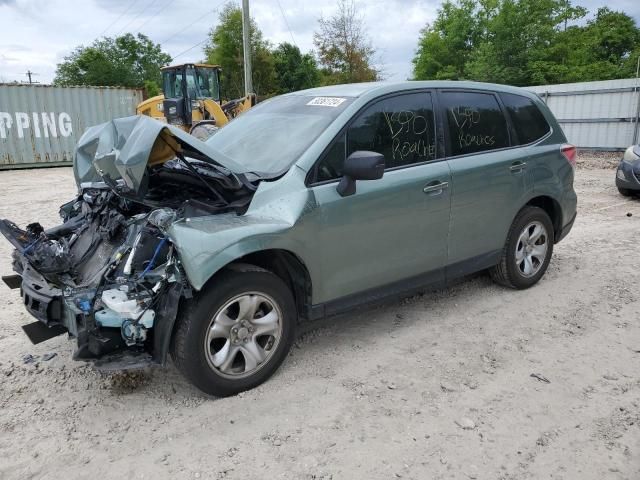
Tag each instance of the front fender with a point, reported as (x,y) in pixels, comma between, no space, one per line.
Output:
(206,244)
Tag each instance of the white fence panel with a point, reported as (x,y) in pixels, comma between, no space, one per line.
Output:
(596,115)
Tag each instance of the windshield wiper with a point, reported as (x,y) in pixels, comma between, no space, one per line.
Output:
(195,172)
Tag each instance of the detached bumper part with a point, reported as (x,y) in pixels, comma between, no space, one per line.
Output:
(12,281)
(123,361)
(43,303)
(38,332)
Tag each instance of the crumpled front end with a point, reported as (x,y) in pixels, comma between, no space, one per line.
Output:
(109,275)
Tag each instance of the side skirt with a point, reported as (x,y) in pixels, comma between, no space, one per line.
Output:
(432,280)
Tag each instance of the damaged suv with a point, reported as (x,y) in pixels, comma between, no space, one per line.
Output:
(307,205)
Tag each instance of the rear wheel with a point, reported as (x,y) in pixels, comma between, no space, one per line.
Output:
(527,251)
(625,192)
(237,332)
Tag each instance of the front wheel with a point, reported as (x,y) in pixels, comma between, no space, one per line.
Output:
(527,251)
(236,332)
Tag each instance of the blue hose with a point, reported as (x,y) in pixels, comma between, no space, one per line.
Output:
(155,256)
(30,246)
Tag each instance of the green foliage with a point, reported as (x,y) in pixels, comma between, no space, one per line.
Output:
(447,45)
(152,88)
(225,49)
(344,50)
(526,42)
(125,61)
(294,71)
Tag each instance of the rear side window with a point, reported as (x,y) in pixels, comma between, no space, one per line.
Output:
(476,122)
(402,128)
(527,119)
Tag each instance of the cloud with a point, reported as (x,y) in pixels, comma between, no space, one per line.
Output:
(50,29)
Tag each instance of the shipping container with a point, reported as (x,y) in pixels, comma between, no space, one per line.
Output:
(599,115)
(40,125)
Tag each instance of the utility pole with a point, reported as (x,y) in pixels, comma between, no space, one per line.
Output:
(246,47)
(29,74)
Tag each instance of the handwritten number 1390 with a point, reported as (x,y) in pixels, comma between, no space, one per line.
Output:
(407,121)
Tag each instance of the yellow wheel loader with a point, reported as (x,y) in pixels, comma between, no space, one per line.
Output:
(192,100)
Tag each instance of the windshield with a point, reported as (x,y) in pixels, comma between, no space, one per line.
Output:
(270,137)
(202,83)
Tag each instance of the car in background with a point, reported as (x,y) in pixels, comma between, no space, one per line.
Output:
(305,206)
(628,172)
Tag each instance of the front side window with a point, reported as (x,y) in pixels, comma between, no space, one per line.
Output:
(207,83)
(402,128)
(476,122)
(527,119)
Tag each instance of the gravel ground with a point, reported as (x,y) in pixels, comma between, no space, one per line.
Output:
(436,386)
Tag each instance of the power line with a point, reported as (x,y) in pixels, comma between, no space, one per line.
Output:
(162,7)
(184,28)
(173,35)
(286,22)
(143,9)
(190,48)
(117,19)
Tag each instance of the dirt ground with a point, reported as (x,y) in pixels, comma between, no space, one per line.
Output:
(436,386)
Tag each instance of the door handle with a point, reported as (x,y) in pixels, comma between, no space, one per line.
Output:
(435,188)
(518,167)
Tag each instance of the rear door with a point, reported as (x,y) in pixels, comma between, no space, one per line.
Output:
(391,230)
(489,178)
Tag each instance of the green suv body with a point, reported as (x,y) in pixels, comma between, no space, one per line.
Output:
(329,198)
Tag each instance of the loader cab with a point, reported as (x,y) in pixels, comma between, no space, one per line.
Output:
(185,87)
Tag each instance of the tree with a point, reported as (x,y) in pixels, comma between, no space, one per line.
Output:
(225,49)
(515,34)
(293,70)
(124,61)
(446,45)
(344,50)
(525,42)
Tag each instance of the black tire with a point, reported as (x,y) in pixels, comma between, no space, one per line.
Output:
(625,192)
(507,272)
(203,131)
(188,345)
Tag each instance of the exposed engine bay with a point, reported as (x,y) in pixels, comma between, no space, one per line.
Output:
(109,275)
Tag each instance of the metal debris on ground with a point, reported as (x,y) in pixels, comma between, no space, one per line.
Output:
(540,377)
(28,358)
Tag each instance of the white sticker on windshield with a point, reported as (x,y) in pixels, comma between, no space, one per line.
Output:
(326,101)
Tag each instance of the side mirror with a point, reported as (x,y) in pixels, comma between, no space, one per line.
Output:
(360,165)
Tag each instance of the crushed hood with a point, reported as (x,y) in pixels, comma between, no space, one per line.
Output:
(123,148)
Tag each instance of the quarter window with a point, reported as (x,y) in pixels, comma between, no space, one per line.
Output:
(402,128)
(476,122)
(527,119)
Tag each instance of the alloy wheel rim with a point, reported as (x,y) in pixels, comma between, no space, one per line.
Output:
(243,335)
(531,249)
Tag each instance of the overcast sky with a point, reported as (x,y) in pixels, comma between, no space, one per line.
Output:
(36,34)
